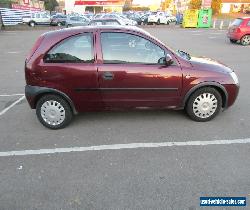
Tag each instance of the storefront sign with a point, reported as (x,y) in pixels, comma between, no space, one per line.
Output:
(26,1)
(206,3)
(98,2)
(22,7)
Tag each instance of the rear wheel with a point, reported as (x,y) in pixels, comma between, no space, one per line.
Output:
(245,40)
(53,112)
(32,24)
(204,104)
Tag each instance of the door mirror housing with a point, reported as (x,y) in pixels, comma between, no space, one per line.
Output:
(169,60)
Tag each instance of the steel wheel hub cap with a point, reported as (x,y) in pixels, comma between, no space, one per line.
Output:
(53,112)
(205,105)
(246,40)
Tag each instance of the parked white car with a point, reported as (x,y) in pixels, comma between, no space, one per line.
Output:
(37,19)
(120,17)
(161,18)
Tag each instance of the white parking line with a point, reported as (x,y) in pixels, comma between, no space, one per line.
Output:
(13,52)
(9,95)
(122,146)
(10,106)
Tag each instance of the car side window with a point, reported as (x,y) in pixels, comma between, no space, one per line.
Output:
(76,49)
(37,15)
(120,47)
(112,22)
(44,16)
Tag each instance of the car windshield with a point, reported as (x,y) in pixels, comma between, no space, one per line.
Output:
(237,22)
(183,54)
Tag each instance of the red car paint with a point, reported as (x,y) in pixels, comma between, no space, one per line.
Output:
(133,85)
(239,28)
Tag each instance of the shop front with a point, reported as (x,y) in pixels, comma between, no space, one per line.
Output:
(81,6)
(234,6)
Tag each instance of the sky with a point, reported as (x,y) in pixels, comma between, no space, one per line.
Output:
(147,2)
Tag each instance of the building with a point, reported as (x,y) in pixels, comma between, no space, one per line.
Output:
(153,5)
(181,5)
(96,6)
(234,6)
(34,5)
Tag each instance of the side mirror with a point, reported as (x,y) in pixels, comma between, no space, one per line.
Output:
(169,60)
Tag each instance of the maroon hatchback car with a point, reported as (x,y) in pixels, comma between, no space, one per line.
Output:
(116,68)
(240,31)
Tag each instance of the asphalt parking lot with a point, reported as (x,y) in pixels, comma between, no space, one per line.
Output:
(133,171)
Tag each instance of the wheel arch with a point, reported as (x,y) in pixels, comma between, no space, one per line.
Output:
(32,21)
(222,90)
(247,34)
(38,92)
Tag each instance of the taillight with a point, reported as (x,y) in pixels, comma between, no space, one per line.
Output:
(237,30)
(35,47)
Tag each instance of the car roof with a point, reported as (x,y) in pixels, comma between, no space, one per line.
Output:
(243,18)
(90,28)
(103,19)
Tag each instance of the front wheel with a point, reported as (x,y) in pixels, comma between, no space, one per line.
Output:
(32,24)
(53,112)
(204,104)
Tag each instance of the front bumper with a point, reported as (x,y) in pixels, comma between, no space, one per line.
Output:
(233,92)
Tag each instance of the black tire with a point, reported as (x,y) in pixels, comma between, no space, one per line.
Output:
(32,24)
(191,103)
(245,40)
(233,40)
(67,111)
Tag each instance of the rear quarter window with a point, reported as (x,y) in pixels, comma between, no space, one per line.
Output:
(76,49)
(237,22)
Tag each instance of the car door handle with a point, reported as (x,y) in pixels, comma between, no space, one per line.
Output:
(108,76)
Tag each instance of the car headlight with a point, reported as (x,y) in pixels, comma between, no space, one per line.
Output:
(234,77)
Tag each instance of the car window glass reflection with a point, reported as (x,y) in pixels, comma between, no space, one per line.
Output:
(77,49)
(128,48)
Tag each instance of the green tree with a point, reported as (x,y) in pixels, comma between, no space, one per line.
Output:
(216,6)
(50,5)
(6,3)
(127,5)
(195,4)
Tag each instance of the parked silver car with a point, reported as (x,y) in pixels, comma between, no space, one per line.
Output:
(77,21)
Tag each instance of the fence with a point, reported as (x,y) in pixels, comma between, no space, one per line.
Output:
(13,16)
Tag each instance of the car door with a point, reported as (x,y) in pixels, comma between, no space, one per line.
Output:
(70,67)
(133,74)
(38,18)
(45,19)
(82,21)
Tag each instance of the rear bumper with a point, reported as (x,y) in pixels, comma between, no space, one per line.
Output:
(234,36)
(30,93)
(33,93)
